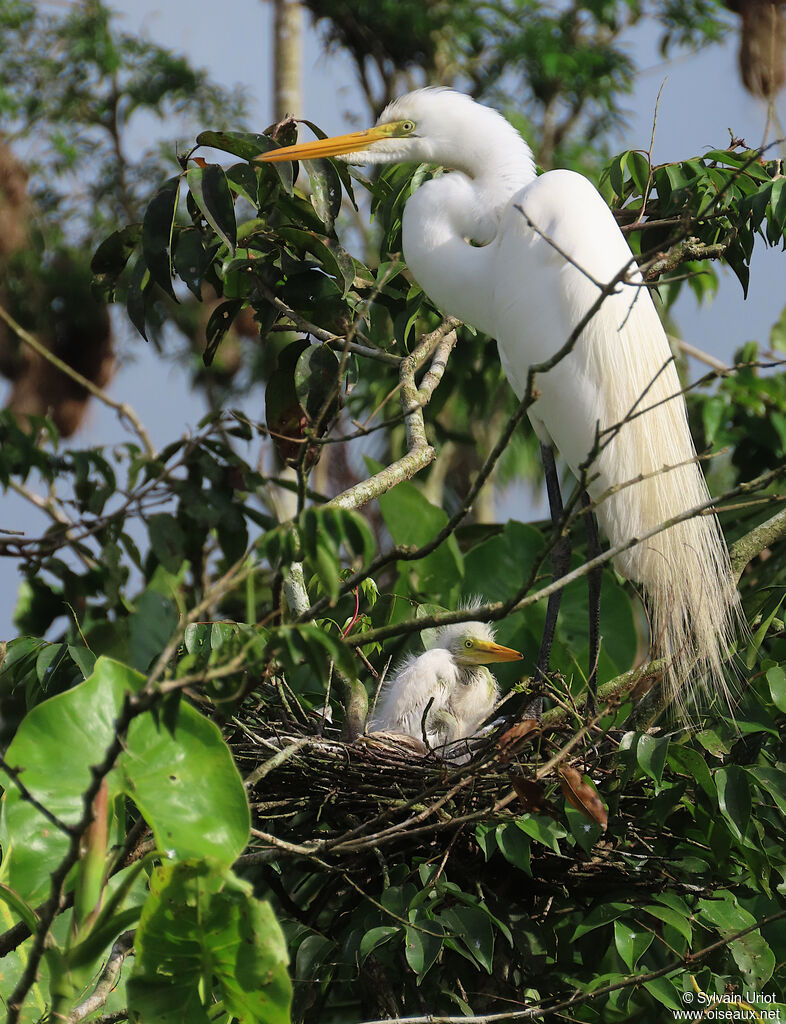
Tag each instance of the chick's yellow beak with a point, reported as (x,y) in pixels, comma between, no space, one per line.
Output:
(496,652)
(338,145)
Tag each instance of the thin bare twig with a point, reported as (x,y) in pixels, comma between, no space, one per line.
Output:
(107,980)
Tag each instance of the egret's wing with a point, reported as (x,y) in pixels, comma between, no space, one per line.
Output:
(471,703)
(618,382)
(621,364)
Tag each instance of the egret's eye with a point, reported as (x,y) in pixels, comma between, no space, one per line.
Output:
(407,126)
(468,644)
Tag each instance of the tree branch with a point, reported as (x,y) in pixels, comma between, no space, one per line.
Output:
(107,980)
(752,544)
(419,452)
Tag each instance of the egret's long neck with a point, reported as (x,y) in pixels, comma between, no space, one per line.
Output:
(451,221)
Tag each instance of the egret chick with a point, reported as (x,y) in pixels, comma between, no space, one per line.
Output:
(453,672)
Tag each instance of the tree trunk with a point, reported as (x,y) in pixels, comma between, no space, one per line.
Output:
(287,31)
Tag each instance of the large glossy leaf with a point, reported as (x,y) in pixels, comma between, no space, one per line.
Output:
(184,781)
(325,190)
(336,261)
(632,941)
(413,520)
(211,193)
(752,954)
(734,797)
(191,259)
(136,297)
(474,928)
(187,786)
(113,254)
(202,931)
(423,942)
(243,144)
(221,319)
(651,755)
(157,227)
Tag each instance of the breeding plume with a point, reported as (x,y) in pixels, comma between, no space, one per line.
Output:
(452,674)
(524,258)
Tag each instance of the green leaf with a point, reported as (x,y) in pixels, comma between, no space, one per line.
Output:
(203,936)
(632,942)
(325,190)
(113,254)
(136,302)
(83,658)
(317,384)
(514,846)
(413,520)
(713,742)
(335,260)
(651,756)
(242,179)
(776,677)
(211,193)
(713,414)
(734,798)
(151,626)
(542,829)
(185,782)
(771,608)
(167,540)
(664,991)
(312,954)
(474,928)
(376,937)
(687,761)
(19,906)
(772,780)
(221,319)
(192,260)
(673,918)
(246,145)
(423,943)
(600,916)
(751,952)
(157,228)
(315,647)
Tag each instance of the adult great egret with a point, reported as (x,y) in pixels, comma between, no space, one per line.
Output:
(452,674)
(524,259)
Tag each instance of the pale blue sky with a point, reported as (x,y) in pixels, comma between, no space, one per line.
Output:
(702,99)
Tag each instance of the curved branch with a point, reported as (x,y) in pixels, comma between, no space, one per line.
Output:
(752,544)
(108,979)
(419,453)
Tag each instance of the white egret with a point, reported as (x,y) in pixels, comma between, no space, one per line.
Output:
(523,258)
(452,674)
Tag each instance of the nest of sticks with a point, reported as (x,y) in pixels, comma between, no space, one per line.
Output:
(377,789)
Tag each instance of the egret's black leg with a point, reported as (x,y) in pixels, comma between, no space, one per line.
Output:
(593,582)
(560,563)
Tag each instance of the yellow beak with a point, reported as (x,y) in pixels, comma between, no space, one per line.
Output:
(496,652)
(338,145)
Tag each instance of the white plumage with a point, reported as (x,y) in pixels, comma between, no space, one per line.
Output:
(453,672)
(523,258)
